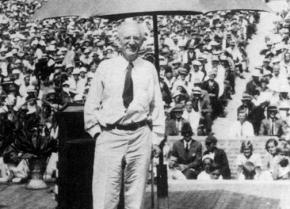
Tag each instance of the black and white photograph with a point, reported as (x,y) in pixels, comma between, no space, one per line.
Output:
(145,104)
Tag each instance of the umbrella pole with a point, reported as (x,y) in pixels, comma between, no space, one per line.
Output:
(156,44)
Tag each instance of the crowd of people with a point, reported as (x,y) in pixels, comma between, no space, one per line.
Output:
(46,65)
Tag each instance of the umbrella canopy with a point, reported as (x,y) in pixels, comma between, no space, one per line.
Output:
(117,8)
(217,5)
(128,8)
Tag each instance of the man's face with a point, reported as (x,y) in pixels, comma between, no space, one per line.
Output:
(242,117)
(178,114)
(207,163)
(276,70)
(188,106)
(210,146)
(247,152)
(272,114)
(169,75)
(196,68)
(215,174)
(272,149)
(287,57)
(131,41)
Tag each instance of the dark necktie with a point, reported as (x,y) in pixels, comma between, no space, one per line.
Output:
(195,106)
(128,86)
(186,147)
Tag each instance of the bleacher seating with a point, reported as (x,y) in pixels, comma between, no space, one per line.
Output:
(232,148)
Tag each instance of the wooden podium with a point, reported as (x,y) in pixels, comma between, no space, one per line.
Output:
(76,156)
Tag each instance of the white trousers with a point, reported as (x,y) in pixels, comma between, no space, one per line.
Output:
(111,147)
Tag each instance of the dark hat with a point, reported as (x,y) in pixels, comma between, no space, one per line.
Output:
(264,80)
(211,139)
(246,96)
(182,71)
(177,108)
(272,108)
(186,129)
(167,69)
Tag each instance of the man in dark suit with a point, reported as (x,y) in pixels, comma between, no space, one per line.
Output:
(187,154)
(174,125)
(254,85)
(219,156)
(272,126)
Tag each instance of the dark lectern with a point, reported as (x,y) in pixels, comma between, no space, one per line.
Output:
(75,165)
(76,155)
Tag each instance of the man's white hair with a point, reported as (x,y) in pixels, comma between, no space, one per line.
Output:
(130,23)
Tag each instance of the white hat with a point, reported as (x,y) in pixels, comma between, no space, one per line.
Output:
(31,88)
(196,62)
(87,50)
(16,71)
(76,71)
(82,69)
(51,48)
(69,66)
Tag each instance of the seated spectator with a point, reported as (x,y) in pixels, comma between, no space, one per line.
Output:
(192,115)
(212,87)
(272,125)
(219,156)
(255,114)
(283,169)
(207,165)
(215,173)
(254,84)
(201,102)
(174,125)
(186,154)
(241,128)
(273,157)
(249,163)
(210,170)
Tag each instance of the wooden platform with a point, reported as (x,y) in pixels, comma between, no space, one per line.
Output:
(17,197)
(182,195)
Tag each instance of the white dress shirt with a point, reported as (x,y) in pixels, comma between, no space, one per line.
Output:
(104,104)
(244,130)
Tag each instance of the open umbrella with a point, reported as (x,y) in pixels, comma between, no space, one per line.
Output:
(129,8)
(217,5)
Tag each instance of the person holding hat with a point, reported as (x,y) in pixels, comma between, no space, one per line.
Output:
(186,154)
(249,163)
(208,167)
(182,80)
(218,155)
(174,125)
(272,125)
